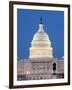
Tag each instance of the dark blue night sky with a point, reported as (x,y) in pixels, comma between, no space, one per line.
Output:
(28,24)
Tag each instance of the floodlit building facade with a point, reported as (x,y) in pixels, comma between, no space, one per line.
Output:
(41,64)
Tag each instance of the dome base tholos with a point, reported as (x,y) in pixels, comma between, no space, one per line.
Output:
(40,52)
(40,56)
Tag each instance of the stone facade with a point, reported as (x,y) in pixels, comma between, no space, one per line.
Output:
(36,69)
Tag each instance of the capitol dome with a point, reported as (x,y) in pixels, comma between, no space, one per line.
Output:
(40,45)
(41,36)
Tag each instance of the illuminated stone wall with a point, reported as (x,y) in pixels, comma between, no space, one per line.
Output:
(39,68)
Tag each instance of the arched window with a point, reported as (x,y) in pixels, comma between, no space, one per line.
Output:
(41,77)
(33,77)
(29,78)
(37,77)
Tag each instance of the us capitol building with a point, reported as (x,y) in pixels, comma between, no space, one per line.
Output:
(41,63)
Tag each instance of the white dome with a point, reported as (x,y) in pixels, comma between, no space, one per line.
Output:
(41,36)
(40,45)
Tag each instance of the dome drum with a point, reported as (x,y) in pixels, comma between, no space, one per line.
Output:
(41,52)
